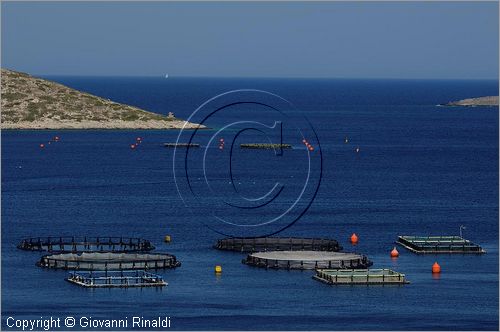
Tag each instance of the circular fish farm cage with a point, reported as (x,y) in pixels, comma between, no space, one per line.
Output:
(85,244)
(307,260)
(277,243)
(109,261)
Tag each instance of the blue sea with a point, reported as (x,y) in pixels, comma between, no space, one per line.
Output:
(421,169)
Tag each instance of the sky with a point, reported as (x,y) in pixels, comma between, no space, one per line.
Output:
(415,40)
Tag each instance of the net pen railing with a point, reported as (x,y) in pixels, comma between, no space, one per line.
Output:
(364,276)
(109,261)
(116,279)
(85,244)
(274,243)
(362,262)
(445,244)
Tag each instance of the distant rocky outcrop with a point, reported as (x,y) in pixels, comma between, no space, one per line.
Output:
(34,103)
(480,101)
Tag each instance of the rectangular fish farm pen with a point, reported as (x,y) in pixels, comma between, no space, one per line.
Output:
(361,277)
(111,279)
(439,245)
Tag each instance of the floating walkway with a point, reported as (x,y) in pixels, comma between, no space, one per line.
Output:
(439,245)
(113,279)
(360,277)
(265,146)
(307,260)
(181,145)
(109,261)
(276,243)
(82,244)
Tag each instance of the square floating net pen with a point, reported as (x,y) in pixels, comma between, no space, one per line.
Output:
(116,279)
(361,277)
(439,245)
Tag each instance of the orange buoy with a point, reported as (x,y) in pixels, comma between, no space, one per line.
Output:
(394,252)
(354,238)
(132,146)
(42,146)
(311,148)
(436,268)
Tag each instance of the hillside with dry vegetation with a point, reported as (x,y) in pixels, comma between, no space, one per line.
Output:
(34,103)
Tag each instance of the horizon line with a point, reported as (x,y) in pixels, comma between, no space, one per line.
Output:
(278,77)
(263,77)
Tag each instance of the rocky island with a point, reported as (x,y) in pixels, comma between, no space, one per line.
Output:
(480,101)
(34,103)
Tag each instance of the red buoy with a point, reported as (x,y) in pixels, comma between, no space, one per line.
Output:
(42,146)
(311,148)
(138,139)
(394,252)
(436,268)
(132,146)
(354,238)
(304,141)
(221,140)
(56,138)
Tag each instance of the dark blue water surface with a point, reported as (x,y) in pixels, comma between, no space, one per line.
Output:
(421,170)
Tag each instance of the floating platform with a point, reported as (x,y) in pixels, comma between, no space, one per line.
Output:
(360,277)
(113,279)
(307,260)
(109,261)
(181,145)
(439,245)
(85,244)
(265,146)
(276,243)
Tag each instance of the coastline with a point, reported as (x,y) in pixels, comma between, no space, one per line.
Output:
(97,125)
(33,103)
(487,101)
